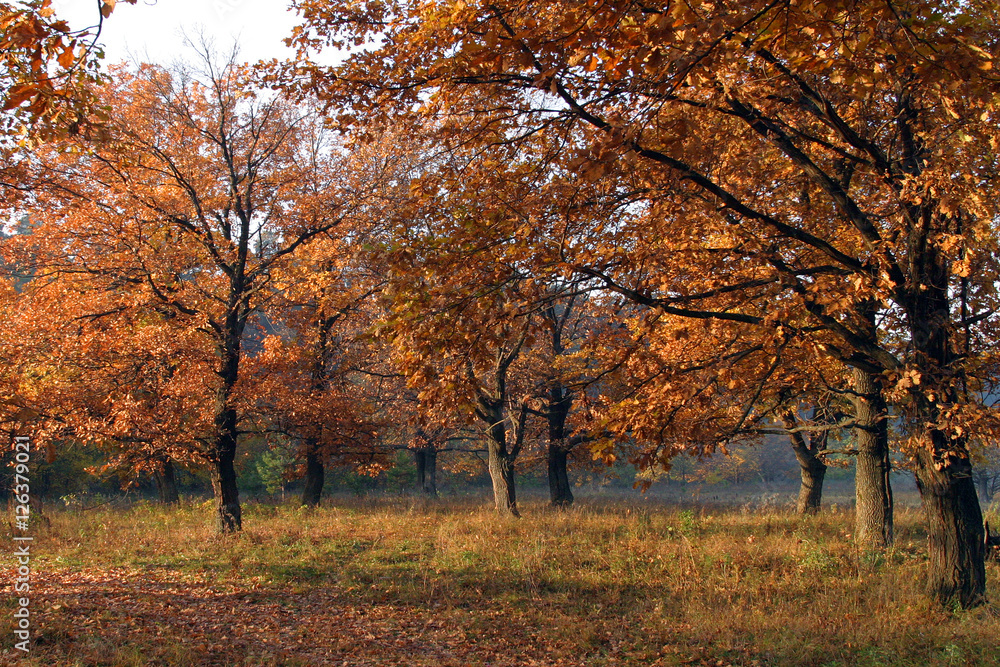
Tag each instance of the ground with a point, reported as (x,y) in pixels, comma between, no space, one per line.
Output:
(402,581)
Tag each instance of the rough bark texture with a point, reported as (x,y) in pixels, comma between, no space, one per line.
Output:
(501,466)
(956,549)
(312,489)
(812,473)
(227,496)
(229,518)
(492,412)
(560,401)
(560,490)
(504,432)
(992,543)
(811,468)
(426,460)
(956,539)
(873,524)
(166,483)
(986,484)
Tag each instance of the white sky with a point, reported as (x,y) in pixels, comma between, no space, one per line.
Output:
(151,30)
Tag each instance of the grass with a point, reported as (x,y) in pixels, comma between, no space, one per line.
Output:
(410,582)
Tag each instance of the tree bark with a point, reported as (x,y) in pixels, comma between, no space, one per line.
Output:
(426,460)
(560,490)
(812,469)
(956,538)
(501,466)
(227,495)
(492,409)
(166,483)
(812,472)
(229,517)
(430,473)
(560,401)
(873,524)
(312,489)
(956,572)
(420,460)
(984,481)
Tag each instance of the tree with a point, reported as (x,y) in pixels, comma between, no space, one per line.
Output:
(45,69)
(809,449)
(479,370)
(44,64)
(199,194)
(310,382)
(558,318)
(808,169)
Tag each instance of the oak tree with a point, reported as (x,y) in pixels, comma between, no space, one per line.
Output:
(821,170)
(200,191)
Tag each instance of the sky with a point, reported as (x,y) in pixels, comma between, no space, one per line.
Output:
(151,30)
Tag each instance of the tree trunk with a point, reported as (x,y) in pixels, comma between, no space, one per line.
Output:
(166,484)
(429,479)
(812,472)
(983,479)
(227,495)
(427,471)
(420,460)
(956,539)
(956,572)
(560,401)
(812,469)
(312,490)
(560,491)
(502,473)
(873,524)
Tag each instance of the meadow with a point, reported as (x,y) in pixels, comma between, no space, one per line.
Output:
(406,581)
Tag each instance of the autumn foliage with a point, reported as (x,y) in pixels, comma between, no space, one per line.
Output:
(646,229)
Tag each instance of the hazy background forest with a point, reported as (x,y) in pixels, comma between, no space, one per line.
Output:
(766,469)
(763,474)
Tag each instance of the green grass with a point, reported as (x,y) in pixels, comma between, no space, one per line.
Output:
(417,583)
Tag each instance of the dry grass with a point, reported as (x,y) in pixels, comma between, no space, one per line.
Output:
(415,583)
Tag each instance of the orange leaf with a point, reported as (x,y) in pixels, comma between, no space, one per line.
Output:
(68,56)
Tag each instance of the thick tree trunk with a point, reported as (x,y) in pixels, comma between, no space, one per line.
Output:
(560,490)
(812,472)
(430,473)
(560,401)
(873,524)
(492,409)
(227,495)
(811,488)
(166,483)
(812,469)
(956,539)
(420,460)
(312,489)
(956,571)
(501,467)
(983,480)
(229,518)
(426,460)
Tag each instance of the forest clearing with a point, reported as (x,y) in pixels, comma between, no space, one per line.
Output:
(469,248)
(407,581)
